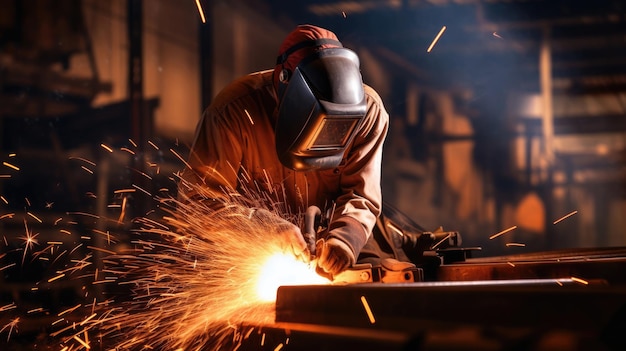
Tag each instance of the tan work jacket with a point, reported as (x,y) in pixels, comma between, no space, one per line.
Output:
(234,148)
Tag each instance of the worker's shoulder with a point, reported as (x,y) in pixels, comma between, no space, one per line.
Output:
(372,94)
(251,87)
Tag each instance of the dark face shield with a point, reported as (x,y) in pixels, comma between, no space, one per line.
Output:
(321,109)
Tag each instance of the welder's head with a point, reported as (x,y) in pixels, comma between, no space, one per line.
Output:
(320,99)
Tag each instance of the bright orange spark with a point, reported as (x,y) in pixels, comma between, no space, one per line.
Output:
(436,39)
(35,217)
(579,280)
(86,169)
(565,217)
(29,239)
(11,325)
(503,232)
(11,166)
(56,277)
(368,310)
(199,5)
(249,117)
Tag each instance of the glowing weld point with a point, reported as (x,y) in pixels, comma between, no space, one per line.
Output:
(283,269)
(370,315)
(436,39)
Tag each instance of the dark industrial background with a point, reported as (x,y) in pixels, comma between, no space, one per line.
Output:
(516,116)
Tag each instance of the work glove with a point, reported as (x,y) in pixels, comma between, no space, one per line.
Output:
(334,256)
(289,236)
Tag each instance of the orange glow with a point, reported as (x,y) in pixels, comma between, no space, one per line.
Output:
(283,269)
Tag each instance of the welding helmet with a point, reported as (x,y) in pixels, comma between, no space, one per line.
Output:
(321,104)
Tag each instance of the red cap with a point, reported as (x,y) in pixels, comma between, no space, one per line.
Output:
(301,42)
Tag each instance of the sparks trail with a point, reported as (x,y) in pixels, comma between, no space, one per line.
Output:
(187,281)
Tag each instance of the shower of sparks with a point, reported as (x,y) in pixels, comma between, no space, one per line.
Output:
(565,217)
(497,35)
(183,281)
(432,45)
(200,11)
(370,315)
(511,264)
(502,232)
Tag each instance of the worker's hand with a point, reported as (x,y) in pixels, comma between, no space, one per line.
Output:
(289,236)
(334,256)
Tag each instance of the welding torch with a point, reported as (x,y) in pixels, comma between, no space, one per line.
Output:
(311,221)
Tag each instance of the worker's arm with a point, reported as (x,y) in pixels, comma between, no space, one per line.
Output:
(359,202)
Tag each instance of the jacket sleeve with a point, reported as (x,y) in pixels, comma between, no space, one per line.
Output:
(360,200)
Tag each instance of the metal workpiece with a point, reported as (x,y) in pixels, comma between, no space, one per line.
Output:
(537,304)
(605,264)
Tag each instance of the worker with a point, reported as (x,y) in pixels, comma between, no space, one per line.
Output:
(307,132)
